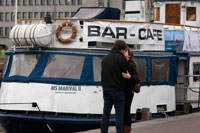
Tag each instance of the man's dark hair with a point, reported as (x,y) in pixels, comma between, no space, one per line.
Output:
(120,45)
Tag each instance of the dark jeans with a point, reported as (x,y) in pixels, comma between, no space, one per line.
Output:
(117,99)
(127,108)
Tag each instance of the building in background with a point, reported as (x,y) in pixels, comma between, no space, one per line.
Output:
(39,8)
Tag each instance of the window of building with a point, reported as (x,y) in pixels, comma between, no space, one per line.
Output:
(48,13)
(1,16)
(72,14)
(1,2)
(12,16)
(30,2)
(36,15)
(157,14)
(54,14)
(123,4)
(67,2)
(108,3)
(19,15)
(49,2)
(42,14)
(60,15)
(7,3)
(61,2)
(7,16)
(12,2)
(73,2)
(37,2)
(25,15)
(1,31)
(30,15)
(191,14)
(101,3)
(19,2)
(25,2)
(7,31)
(54,2)
(42,2)
(80,2)
(67,14)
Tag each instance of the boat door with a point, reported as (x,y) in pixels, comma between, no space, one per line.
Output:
(182,80)
(173,13)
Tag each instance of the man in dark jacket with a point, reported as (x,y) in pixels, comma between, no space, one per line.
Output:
(113,65)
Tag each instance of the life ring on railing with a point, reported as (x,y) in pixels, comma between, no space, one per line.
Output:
(73,35)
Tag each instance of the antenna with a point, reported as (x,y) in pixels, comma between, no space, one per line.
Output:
(16,6)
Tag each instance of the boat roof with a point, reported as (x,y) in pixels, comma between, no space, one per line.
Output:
(98,13)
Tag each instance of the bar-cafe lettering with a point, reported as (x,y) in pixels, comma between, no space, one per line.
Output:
(116,32)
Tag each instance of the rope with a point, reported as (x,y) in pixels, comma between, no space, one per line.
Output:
(34,104)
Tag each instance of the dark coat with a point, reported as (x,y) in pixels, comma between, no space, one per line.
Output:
(130,83)
(112,66)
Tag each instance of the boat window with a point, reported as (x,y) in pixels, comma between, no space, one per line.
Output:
(23,65)
(141,68)
(191,13)
(64,66)
(97,68)
(5,64)
(196,71)
(157,14)
(160,69)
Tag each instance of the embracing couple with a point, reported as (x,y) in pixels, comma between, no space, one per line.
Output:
(119,78)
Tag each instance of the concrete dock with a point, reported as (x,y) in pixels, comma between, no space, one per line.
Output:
(189,123)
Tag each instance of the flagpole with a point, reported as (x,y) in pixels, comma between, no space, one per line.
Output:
(16,3)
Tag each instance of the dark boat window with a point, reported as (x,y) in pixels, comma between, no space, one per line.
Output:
(196,71)
(97,68)
(141,68)
(160,69)
(64,66)
(23,65)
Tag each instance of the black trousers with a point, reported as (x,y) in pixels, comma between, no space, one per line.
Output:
(127,107)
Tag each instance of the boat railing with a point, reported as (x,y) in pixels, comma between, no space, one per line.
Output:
(166,25)
(185,86)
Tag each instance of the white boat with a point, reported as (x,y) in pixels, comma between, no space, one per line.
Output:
(53,69)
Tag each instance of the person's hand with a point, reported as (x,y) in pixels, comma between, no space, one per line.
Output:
(126,75)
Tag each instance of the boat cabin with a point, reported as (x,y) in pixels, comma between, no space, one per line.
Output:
(185,12)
